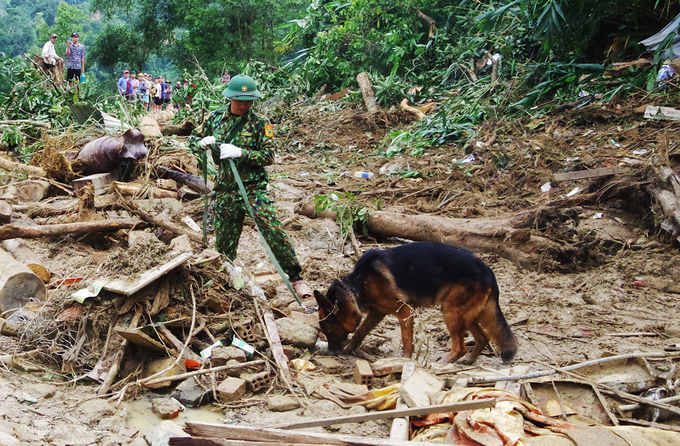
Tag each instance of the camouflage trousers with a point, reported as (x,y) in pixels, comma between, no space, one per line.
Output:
(230,211)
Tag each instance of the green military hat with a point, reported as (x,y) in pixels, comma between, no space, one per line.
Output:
(242,88)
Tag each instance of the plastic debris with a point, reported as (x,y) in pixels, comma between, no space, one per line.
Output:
(363,174)
(574,191)
(91,291)
(207,353)
(236,342)
(546,187)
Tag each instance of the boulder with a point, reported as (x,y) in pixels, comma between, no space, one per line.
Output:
(296,333)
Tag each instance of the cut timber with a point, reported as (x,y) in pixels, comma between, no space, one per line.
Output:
(130,189)
(131,286)
(100,182)
(140,339)
(26,191)
(13,166)
(23,253)
(387,414)
(18,284)
(5,212)
(14,231)
(279,436)
(367,91)
(662,113)
(591,173)
(170,338)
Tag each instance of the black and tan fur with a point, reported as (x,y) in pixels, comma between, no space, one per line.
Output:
(398,280)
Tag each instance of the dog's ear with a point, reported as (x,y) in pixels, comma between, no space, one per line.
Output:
(325,305)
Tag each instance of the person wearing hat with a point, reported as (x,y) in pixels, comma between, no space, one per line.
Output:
(75,58)
(237,133)
(125,85)
(49,54)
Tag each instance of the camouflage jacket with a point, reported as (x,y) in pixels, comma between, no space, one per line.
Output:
(251,133)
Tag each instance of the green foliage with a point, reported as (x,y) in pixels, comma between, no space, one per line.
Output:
(349,212)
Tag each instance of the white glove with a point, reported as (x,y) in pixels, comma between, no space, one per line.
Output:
(207,141)
(230,151)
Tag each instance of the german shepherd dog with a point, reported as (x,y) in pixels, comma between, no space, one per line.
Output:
(397,280)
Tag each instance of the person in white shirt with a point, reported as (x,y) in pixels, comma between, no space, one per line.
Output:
(49,54)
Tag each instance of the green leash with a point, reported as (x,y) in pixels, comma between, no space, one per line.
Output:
(244,195)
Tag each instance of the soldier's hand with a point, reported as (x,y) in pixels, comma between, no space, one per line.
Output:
(230,151)
(207,141)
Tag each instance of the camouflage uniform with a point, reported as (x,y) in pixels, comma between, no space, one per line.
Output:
(255,136)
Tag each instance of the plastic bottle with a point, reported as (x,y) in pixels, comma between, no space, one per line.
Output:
(363,174)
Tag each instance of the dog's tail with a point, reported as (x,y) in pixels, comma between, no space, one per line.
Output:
(500,332)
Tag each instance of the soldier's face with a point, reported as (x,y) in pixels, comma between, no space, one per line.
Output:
(240,108)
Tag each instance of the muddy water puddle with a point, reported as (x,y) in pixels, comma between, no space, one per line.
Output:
(141,416)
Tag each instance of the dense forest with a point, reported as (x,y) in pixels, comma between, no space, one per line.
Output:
(547,48)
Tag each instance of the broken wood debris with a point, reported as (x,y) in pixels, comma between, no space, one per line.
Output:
(130,286)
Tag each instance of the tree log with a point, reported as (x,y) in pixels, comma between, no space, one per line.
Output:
(13,231)
(404,105)
(507,237)
(24,254)
(367,91)
(13,166)
(18,284)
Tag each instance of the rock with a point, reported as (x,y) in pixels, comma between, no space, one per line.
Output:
(391,167)
(297,333)
(192,394)
(94,410)
(162,433)
(166,408)
(330,365)
(140,238)
(111,423)
(71,435)
(111,440)
(282,403)
(292,352)
(310,319)
(158,365)
(8,440)
(181,244)
(41,390)
(323,409)
(222,355)
(231,389)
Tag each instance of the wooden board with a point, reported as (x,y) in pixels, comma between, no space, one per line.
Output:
(100,182)
(590,173)
(140,339)
(131,286)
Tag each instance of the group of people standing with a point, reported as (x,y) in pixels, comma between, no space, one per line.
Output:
(75,57)
(153,93)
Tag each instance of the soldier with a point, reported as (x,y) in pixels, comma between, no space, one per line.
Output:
(238,133)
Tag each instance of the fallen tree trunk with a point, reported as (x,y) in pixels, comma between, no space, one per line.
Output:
(507,237)
(13,231)
(13,166)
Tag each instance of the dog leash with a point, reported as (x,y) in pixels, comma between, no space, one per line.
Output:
(244,195)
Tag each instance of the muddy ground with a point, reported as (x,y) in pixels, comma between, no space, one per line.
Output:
(618,299)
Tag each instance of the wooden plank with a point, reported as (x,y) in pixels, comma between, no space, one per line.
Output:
(662,113)
(590,173)
(400,425)
(140,339)
(386,414)
(247,433)
(129,287)
(275,343)
(191,441)
(100,182)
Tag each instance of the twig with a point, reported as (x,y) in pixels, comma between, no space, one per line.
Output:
(355,243)
(205,371)
(115,367)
